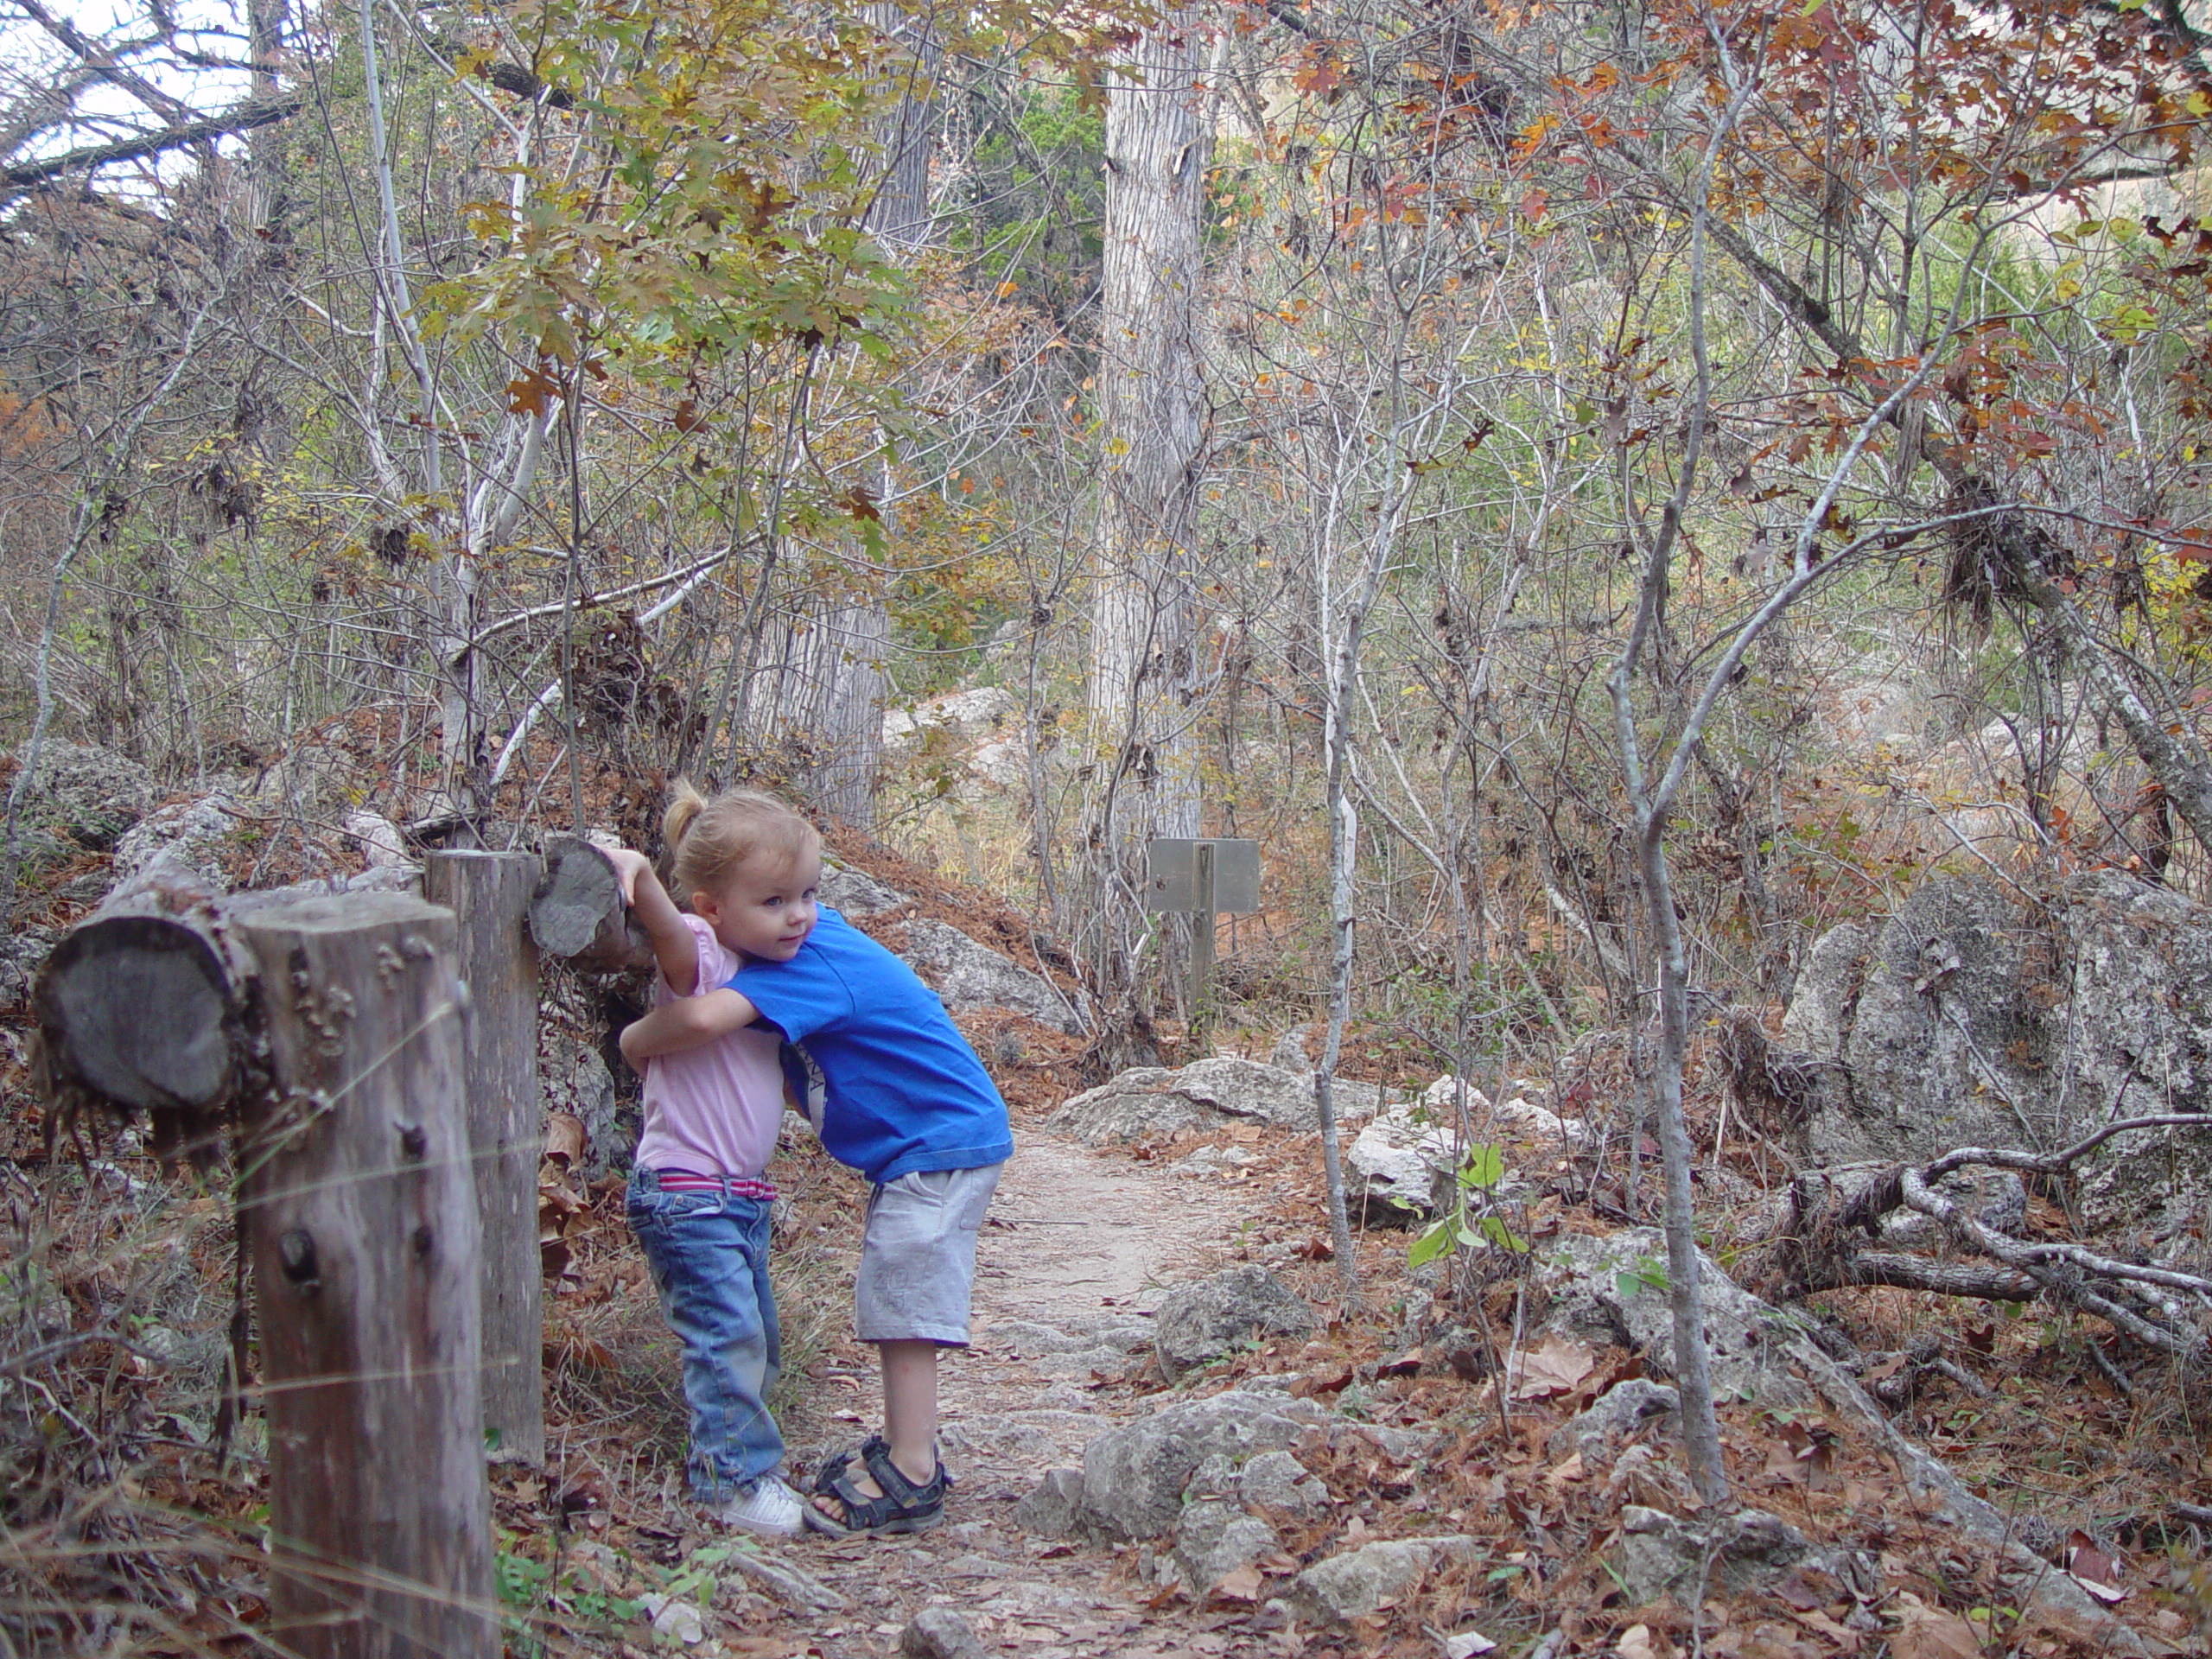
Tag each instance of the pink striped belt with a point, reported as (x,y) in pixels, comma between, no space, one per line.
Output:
(742,1187)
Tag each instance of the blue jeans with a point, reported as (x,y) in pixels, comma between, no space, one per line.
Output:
(709,1254)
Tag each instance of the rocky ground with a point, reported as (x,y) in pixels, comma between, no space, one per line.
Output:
(1178,1433)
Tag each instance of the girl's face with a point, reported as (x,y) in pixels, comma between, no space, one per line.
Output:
(763,908)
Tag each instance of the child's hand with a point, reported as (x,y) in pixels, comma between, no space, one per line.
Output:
(674,948)
(629,864)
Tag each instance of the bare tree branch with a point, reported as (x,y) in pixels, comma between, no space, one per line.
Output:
(243,118)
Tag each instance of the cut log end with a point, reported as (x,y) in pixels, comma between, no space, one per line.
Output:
(577,912)
(137,1013)
(578,893)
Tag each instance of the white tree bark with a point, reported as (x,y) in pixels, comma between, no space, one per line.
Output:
(900,217)
(1144,676)
(828,703)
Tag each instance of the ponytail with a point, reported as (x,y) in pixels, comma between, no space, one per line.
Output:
(685,802)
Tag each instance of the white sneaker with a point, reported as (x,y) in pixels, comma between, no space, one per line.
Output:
(767,1507)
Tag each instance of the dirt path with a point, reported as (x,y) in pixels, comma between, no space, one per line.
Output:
(1079,1248)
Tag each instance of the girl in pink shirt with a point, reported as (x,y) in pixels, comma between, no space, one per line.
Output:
(698,1200)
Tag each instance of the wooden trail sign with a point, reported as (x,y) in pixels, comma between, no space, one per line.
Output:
(1202,877)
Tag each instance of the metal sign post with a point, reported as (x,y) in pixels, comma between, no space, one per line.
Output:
(1202,877)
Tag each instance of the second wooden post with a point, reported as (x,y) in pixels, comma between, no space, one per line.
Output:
(489,894)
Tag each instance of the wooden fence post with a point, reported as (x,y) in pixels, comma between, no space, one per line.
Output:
(362,1220)
(489,895)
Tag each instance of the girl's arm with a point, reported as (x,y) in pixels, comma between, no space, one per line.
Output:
(688,1022)
(674,947)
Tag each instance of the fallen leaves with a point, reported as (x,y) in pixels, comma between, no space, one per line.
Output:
(1554,1366)
(1243,1584)
(559,1207)
(1925,1632)
(2093,1568)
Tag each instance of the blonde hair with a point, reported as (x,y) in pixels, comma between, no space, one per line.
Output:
(708,839)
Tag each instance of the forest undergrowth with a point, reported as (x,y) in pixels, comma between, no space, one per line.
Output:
(133,1526)
(134,1509)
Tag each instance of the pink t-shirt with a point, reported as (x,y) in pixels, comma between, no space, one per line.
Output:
(712,1110)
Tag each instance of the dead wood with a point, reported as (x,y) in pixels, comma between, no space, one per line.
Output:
(146,1006)
(1816,1243)
(577,912)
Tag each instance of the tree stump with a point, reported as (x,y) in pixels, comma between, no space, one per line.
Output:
(361,1218)
(489,894)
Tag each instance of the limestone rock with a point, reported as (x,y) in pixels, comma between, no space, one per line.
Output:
(1737,1554)
(90,794)
(190,834)
(1098,1342)
(1276,1480)
(855,893)
(1404,1161)
(1289,1053)
(1440,1100)
(377,837)
(938,1633)
(1613,1290)
(575,1078)
(1213,1538)
(1204,1095)
(1960,1017)
(1358,1582)
(1617,1414)
(1133,1476)
(1206,1319)
(22,955)
(1054,1507)
(968,975)
(959,717)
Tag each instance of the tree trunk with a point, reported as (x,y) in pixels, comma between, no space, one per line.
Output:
(829,703)
(363,1236)
(899,217)
(1152,403)
(489,894)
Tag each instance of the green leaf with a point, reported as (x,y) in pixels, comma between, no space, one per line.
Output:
(1430,1245)
(1484,1167)
(1504,1237)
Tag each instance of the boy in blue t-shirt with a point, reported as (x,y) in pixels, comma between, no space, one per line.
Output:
(909,1105)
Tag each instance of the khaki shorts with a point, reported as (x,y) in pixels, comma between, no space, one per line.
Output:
(918,1255)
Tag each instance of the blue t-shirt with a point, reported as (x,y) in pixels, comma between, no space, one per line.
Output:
(904,1091)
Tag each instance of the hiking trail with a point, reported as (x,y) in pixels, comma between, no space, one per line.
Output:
(1079,1246)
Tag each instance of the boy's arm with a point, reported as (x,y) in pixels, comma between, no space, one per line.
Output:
(688,1022)
(674,947)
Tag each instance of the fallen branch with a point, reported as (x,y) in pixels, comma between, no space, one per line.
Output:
(1815,1246)
(1902,1271)
(2042,1262)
